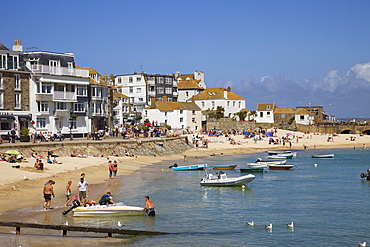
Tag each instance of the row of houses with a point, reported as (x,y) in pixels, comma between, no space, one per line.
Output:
(48,91)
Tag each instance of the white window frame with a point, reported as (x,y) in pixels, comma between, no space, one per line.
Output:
(3,61)
(81,90)
(41,122)
(45,88)
(79,107)
(1,100)
(1,81)
(181,119)
(61,106)
(168,90)
(43,106)
(160,90)
(17,82)
(138,90)
(17,101)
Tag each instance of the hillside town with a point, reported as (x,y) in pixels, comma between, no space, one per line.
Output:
(47,92)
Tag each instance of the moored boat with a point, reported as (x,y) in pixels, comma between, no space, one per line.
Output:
(279,152)
(223,167)
(190,168)
(105,210)
(256,165)
(322,155)
(253,170)
(280,167)
(222,180)
(271,162)
(279,157)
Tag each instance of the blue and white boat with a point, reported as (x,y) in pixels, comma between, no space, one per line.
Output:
(190,168)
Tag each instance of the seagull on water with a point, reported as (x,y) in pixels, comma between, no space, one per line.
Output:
(119,224)
(269,227)
(250,223)
(291,225)
(363,244)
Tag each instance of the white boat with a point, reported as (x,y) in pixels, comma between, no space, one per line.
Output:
(256,165)
(322,155)
(271,162)
(277,157)
(279,152)
(222,180)
(106,210)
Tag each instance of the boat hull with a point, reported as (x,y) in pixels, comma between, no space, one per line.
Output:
(223,167)
(190,168)
(252,170)
(256,165)
(272,162)
(322,155)
(281,167)
(228,181)
(280,156)
(103,210)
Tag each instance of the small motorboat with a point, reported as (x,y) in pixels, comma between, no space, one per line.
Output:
(223,167)
(190,168)
(280,167)
(279,152)
(222,180)
(322,155)
(256,165)
(105,210)
(279,157)
(271,162)
(253,170)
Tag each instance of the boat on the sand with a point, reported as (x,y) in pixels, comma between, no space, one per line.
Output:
(107,210)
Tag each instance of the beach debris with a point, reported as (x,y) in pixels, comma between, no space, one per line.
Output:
(25,178)
(268,227)
(291,225)
(362,244)
(250,223)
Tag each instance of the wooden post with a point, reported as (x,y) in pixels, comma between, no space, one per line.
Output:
(64,233)
(18,230)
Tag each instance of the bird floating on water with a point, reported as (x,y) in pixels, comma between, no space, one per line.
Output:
(291,225)
(363,244)
(315,165)
(269,227)
(250,223)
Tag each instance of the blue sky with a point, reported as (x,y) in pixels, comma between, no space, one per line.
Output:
(305,50)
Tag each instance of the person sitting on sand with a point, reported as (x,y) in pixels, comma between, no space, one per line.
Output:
(40,166)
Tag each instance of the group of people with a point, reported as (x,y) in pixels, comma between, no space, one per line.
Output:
(83,188)
(46,136)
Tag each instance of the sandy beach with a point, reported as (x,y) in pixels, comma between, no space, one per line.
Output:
(25,184)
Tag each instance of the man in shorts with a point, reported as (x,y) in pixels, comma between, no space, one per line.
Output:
(149,207)
(48,192)
(82,189)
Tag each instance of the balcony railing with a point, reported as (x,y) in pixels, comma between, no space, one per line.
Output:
(58,95)
(52,70)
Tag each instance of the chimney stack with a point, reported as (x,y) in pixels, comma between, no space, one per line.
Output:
(152,103)
(17,46)
(165,99)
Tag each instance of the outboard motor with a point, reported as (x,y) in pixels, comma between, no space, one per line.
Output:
(366,175)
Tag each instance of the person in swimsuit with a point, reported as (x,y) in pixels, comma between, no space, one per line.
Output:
(48,192)
(149,206)
(68,192)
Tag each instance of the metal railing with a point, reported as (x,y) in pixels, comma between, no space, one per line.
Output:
(52,70)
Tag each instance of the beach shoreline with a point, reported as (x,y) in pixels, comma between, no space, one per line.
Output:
(27,193)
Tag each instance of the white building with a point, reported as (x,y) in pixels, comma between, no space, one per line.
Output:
(58,93)
(265,113)
(302,116)
(178,115)
(211,98)
(189,85)
(121,108)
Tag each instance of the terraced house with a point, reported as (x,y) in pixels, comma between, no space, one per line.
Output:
(58,93)
(14,90)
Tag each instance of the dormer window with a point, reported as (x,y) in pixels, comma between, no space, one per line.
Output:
(268,107)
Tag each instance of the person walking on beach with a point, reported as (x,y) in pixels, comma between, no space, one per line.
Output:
(68,192)
(115,169)
(110,168)
(149,207)
(82,189)
(48,192)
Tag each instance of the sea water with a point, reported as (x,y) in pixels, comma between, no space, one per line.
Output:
(329,204)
